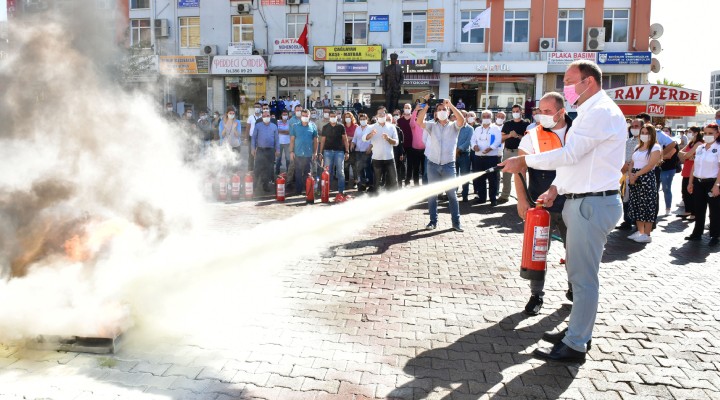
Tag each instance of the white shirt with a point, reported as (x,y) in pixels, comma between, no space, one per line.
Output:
(484,137)
(529,141)
(534,124)
(594,150)
(707,161)
(381,149)
(641,157)
(251,121)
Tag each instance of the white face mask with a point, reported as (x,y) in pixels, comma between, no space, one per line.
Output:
(363,122)
(305,119)
(347,120)
(407,111)
(203,117)
(486,121)
(709,138)
(284,117)
(396,117)
(298,113)
(333,120)
(257,111)
(326,115)
(536,118)
(644,138)
(169,109)
(442,115)
(470,120)
(516,115)
(499,121)
(231,116)
(547,121)
(635,131)
(189,115)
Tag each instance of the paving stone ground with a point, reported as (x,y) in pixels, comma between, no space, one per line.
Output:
(397,312)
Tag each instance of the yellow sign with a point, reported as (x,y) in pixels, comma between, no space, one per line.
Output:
(436,25)
(183,65)
(347,53)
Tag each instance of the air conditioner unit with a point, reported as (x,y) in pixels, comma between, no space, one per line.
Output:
(244,8)
(162,28)
(595,39)
(293,2)
(547,44)
(209,50)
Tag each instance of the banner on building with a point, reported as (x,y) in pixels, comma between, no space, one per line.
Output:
(347,53)
(567,57)
(188,3)
(183,65)
(240,49)
(655,93)
(379,23)
(273,2)
(624,57)
(413,54)
(287,46)
(239,65)
(435,25)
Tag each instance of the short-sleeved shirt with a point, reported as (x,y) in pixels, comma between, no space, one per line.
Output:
(441,141)
(641,157)
(304,136)
(707,161)
(360,132)
(333,137)
(519,127)
(381,149)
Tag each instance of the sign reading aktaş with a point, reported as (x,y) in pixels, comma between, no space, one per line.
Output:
(626,57)
(347,53)
(567,57)
(188,3)
(287,46)
(379,23)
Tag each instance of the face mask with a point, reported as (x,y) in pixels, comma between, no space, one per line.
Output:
(709,138)
(216,115)
(313,116)
(189,115)
(536,117)
(363,122)
(547,121)
(297,114)
(396,117)
(644,138)
(486,121)
(407,111)
(304,119)
(203,117)
(516,115)
(635,131)
(169,109)
(284,117)
(231,116)
(333,120)
(442,115)
(266,119)
(470,120)
(381,117)
(326,115)
(499,121)
(257,111)
(571,94)
(347,120)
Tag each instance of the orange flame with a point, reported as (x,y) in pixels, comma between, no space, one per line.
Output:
(83,247)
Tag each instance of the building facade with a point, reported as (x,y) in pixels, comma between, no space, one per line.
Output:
(234,52)
(715,89)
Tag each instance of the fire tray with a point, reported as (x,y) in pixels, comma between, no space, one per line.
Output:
(95,345)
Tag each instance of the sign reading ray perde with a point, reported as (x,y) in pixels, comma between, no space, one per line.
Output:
(347,53)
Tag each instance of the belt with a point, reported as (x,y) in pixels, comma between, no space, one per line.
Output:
(704,179)
(591,194)
(266,148)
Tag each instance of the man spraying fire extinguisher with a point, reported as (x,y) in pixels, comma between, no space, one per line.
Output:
(549,134)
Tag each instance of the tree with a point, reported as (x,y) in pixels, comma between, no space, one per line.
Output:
(666,82)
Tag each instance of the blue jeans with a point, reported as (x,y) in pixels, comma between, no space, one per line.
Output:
(437,173)
(284,151)
(589,220)
(666,178)
(335,161)
(463,168)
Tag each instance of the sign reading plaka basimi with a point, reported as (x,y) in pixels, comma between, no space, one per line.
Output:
(239,65)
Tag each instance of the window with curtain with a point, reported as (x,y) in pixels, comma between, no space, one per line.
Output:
(189,32)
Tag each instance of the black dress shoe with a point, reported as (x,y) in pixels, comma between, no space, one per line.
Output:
(624,226)
(534,305)
(569,295)
(560,352)
(713,241)
(693,238)
(556,338)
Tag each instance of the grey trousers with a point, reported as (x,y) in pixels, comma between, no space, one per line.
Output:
(589,220)
(537,286)
(507,178)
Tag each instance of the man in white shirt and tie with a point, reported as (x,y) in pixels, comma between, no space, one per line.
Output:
(588,171)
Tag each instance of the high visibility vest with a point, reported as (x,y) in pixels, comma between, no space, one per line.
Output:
(543,140)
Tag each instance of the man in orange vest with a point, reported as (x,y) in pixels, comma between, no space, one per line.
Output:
(549,134)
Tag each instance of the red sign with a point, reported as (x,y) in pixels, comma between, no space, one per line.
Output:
(656,109)
(670,110)
(655,93)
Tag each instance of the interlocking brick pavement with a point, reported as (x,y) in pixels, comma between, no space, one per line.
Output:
(403,313)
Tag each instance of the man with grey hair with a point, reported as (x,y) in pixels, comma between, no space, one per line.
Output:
(587,174)
(486,142)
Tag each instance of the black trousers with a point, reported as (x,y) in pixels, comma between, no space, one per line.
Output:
(264,164)
(703,202)
(687,197)
(482,163)
(415,162)
(384,171)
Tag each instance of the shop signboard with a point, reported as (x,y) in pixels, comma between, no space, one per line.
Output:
(183,65)
(347,53)
(413,54)
(655,93)
(656,109)
(240,49)
(567,57)
(435,25)
(273,2)
(238,65)
(287,46)
(379,23)
(419,68)
(188,3)
(350,68)
(624,58)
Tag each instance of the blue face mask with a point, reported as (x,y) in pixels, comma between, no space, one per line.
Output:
(717,121)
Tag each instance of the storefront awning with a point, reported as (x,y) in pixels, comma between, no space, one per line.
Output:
(666,110)
(293,62)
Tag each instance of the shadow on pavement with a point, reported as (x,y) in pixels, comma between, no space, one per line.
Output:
(473,365)
(382,243)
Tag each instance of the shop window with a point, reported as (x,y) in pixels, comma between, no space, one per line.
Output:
(570,26)
(355,28)
(295,24)
(517,23)
(137,4)
(140,33)
(475,35)
(616,25)
(613,81)
(242,28)
(189,32)
(559,83)
(414,27)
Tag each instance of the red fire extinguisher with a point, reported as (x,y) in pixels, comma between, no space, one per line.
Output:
(310,189)
(535,243)
(235,187)
(222,188)
(325,186)
(280,188)
(248,185)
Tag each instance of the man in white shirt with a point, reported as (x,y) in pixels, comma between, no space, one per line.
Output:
(486,142)
(587,174)
(383,137)
(536,118)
